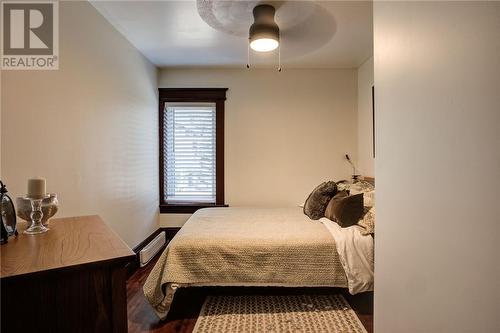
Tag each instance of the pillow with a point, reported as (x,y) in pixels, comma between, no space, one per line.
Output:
(369,199)
(343,185)
(316,202)
(361,187)
(367,189)
(368,222)
(345,209)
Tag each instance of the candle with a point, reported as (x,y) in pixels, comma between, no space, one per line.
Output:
(36,188)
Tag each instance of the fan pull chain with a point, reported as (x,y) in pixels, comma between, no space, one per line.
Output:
(248,55)
(279,53)
(279,59)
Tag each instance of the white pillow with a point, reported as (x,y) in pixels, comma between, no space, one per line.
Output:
(369,199)
(368,191)
(361,187)
(343,186)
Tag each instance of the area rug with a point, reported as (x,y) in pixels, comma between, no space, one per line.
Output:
(278,314)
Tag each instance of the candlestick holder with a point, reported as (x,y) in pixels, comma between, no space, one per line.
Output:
(36,217)
(50,206)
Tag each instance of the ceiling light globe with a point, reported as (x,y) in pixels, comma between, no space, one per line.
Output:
(264,44)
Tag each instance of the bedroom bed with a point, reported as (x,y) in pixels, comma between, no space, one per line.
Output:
(241,246)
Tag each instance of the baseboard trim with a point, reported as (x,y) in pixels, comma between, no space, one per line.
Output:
(170,232)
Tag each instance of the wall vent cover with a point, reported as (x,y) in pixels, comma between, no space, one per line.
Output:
(150,250)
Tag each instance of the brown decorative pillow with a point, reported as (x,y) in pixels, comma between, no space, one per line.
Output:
(316,202)
(345,209)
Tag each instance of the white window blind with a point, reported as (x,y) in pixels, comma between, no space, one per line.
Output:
(189,151)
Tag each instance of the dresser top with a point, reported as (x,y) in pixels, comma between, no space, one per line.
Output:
(70,242)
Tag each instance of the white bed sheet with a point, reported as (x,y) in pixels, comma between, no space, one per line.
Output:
(356,252)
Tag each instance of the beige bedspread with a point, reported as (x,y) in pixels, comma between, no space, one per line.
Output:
(239,246)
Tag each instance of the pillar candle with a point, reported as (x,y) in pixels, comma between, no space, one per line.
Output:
(36,188)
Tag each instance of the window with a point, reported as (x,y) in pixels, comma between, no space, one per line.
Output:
(190,152)
(191,149)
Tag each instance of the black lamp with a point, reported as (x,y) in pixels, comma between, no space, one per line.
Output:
(354,175)
(7,215)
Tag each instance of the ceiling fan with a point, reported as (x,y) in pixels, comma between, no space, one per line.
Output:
(304,26)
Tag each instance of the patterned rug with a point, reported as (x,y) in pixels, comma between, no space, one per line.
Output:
(278,314)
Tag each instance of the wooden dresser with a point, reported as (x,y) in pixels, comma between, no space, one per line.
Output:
(70,279)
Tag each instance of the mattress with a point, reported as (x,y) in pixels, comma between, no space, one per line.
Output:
(240,246)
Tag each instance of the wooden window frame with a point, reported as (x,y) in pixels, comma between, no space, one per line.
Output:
(194,95)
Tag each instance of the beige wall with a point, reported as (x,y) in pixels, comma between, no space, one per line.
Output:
(1,123)
(365,119)
(90,127)
(437,80)
(285,132)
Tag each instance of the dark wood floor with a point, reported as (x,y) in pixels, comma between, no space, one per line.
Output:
(187,304)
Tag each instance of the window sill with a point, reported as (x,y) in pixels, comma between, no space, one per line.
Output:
(188,208)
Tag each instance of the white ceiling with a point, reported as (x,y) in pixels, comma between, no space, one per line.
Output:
(314,34)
